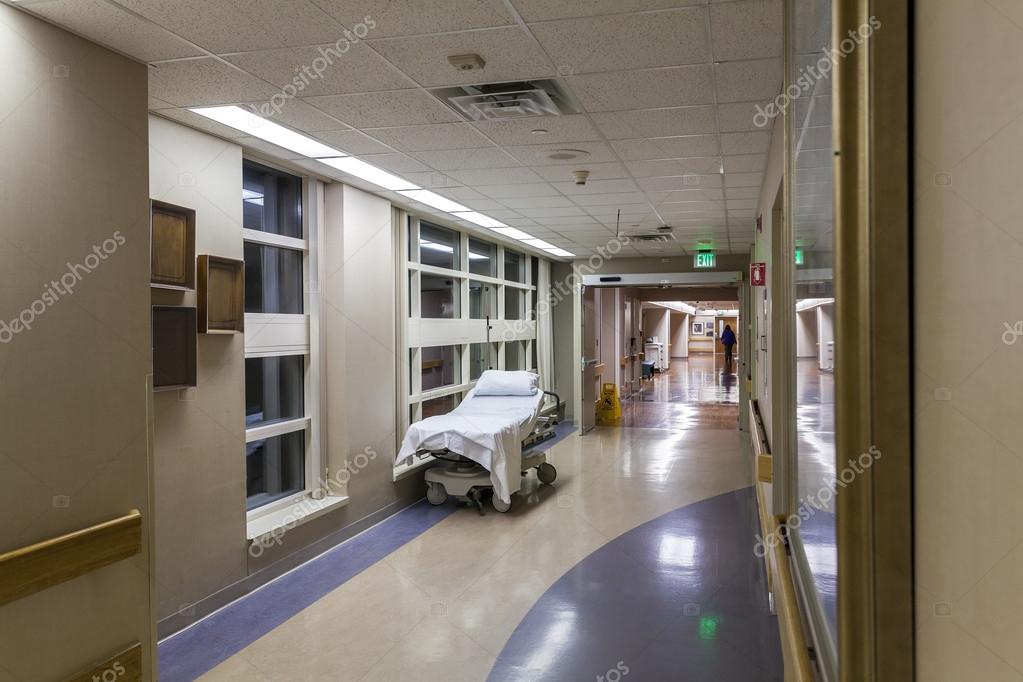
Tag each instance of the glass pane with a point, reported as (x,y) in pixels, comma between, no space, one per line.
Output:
(482,356)
(482,258)
(513,299)
(274,389)
(273,279)
(514,355)
(274,468)
(482,300)
(271,200)
(442,366)
(439,296)
(438,406)
(438,246)
(513,263)
(812,232)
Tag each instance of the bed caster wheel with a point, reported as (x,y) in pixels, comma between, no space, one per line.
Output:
(500,506)
(546,473)
(435,494)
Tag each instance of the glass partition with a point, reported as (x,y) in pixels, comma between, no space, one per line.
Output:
(809,89)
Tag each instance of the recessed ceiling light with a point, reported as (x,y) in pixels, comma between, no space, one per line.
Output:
(369,173)
(539,131)
(479,219)
(512,232)
(256,126)
(539,244)
(425,196)
(567,154)
(561,252)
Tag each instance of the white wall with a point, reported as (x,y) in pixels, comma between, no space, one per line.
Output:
(806,333)
(75,448)
(679,335)
(825,332)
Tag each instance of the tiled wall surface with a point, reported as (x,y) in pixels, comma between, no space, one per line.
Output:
(969,260)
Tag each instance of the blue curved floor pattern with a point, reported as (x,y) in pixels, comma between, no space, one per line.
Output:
(681,597)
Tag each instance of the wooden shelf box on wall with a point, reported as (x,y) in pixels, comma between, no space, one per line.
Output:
(174,337)
(172,245)
(221,295)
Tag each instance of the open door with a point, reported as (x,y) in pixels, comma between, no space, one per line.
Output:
(587,389)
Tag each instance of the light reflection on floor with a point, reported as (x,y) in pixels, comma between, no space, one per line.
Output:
(695,392)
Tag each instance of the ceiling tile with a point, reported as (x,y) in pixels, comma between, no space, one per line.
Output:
(667,147)
(694,166)
(745,143)
(465,159)
(271,150)
(596,186)
(409,17)
(311,74)
(112,26)
(740,116)
(745,163)
(744,179)
(482,177)
(559,129)
(543,10)
(463,194)
(744,193)
(598,171)
(667,122)
(736,204)
(647,89)
(538,154)
(609,199)
(640,41)
(430,137)
(746,30)
(660,187)
(748,81)
(195,82)
(551,212)
(483,204)
(508,53)
(431,180)
(499,191)
(352,142)
(396,163)
(381,109)
(237,25)
(300,115)
(537,202)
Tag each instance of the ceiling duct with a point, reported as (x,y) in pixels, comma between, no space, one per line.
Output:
(503,101)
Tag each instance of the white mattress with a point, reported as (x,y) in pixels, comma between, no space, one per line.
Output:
(488,429)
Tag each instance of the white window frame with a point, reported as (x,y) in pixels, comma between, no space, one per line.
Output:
(461,332)
(278,334)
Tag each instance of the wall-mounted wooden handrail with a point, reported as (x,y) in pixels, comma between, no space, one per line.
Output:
(30,569)
(795,653)
(761,449)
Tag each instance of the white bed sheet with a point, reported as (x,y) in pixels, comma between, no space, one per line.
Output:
(488,429)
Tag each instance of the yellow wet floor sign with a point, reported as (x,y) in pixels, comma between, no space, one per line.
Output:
(609,409)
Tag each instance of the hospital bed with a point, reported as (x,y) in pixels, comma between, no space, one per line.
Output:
(488,443)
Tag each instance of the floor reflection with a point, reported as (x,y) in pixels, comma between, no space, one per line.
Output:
(815,426)
(695,392)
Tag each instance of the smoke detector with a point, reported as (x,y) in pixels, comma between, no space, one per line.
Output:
(580,176)
(467,62)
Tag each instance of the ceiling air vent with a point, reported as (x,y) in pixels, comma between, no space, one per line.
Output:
(502,101)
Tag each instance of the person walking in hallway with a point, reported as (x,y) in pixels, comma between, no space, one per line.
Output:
(728,341)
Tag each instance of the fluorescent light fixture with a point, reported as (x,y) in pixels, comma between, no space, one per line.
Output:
(480,219)
(257,126)
(539,244)
(425,196)
(435,246)
(369,173)
(251,197)
(512,232)
(561,252)
(478,256)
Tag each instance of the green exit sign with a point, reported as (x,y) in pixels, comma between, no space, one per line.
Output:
(799,256)
(704,259)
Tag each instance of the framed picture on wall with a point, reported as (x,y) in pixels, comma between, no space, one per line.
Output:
(697,328)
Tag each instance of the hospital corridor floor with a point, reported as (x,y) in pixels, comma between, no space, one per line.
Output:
(636,564)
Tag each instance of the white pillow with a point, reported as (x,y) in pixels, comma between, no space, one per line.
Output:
(497,382)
